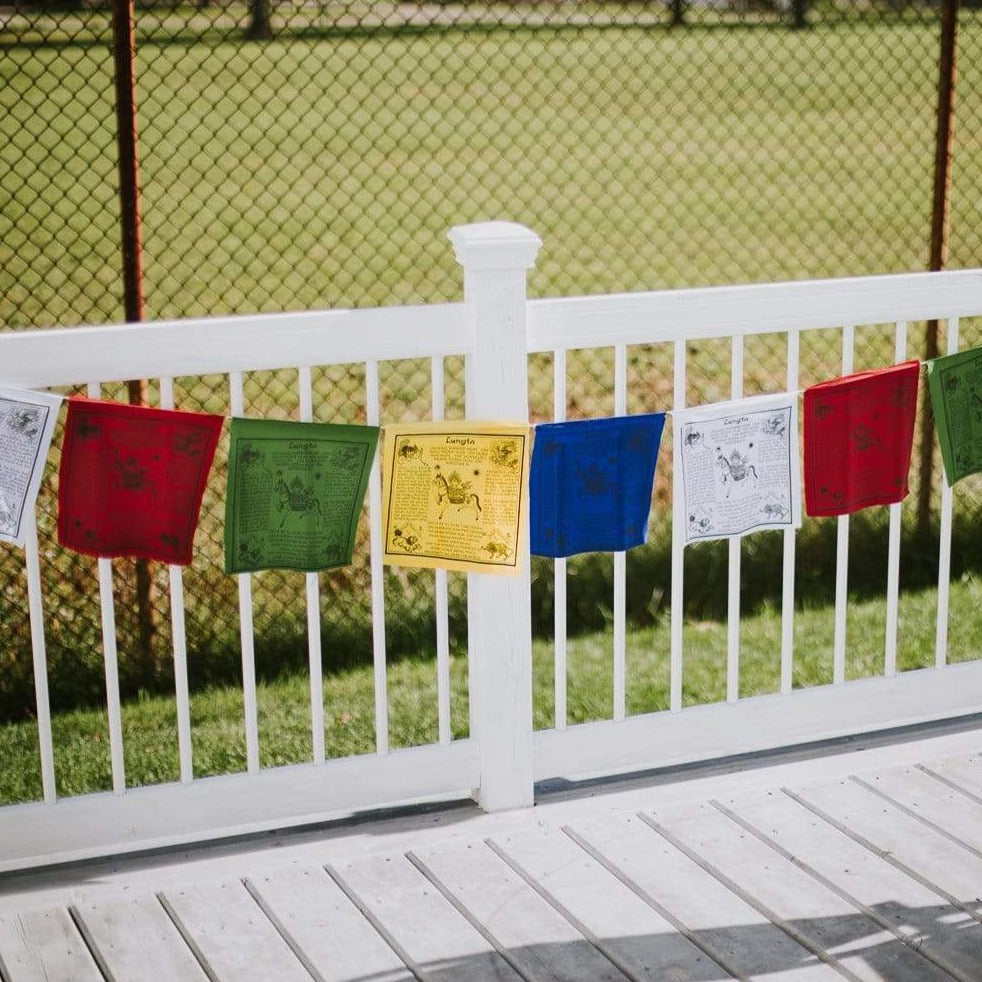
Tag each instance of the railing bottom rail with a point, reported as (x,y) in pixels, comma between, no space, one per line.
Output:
(759,723)
(214,808)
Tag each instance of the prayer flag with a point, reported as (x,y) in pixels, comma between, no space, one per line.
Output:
(295,492)
(739,466)
(27,420)
(955,384)
(590,484)
(132,479)
(858,435)
(455,495)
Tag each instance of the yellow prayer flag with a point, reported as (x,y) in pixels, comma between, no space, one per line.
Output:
(455,495)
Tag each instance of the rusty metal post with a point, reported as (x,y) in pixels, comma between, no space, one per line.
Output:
(124,53)
(124,56)
(940,222)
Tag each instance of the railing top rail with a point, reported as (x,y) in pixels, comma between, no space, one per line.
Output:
(668,315)
(202,346)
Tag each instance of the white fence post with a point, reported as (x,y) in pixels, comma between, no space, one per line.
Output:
(496,257)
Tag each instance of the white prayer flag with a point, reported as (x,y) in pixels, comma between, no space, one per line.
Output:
(27,422)
(740,466)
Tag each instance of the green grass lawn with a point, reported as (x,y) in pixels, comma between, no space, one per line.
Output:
(81,742)
(323,170)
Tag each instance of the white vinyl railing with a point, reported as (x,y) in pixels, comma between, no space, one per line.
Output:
(678,318)
(496,329)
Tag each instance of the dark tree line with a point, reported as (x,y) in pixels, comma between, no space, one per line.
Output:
(260,26)
(797,8)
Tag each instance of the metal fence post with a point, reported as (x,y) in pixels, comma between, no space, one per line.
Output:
(496,257)
(940,228)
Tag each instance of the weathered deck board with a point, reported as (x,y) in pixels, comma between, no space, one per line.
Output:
(819,919)
(337,941)
(943,808)
(942,932)
(873,876)
(544,945)
(900,839)
(132,935)
(232,936)
(735,934)
(40,946)
(431,935)
(963,772)
(626,928)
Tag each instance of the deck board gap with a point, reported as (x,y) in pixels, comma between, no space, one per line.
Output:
(779,922)
(90,943)
(949,783)
(383,932)
(563,911)
(464,912)
(913,813)
(187,937)
(914,942)
(281,929)
(885,854)
(660,909)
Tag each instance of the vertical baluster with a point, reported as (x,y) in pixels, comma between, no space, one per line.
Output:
(678,539)
(111,657)
(179,638)
(112,675)
(559,569)
(313,590)
(440,577)
(378,585)
(893,554)
(944,554)
(620,565)
(33,569)
(246,632)
(842,547)
(733,594)
(787,583)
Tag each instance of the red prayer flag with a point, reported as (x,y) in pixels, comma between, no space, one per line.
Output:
(858,435)
(132,479)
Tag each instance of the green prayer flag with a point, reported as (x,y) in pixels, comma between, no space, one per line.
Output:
(955,384)
(295,491)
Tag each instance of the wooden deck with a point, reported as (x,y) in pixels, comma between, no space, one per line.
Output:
(864,864)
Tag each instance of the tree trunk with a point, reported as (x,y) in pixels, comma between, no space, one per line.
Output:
(260,26)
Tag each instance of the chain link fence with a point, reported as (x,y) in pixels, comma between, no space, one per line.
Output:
(314,153)
(323,167)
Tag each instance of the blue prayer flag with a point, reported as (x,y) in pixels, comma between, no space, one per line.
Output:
(590,484)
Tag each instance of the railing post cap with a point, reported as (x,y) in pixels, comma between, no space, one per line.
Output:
(495,245)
